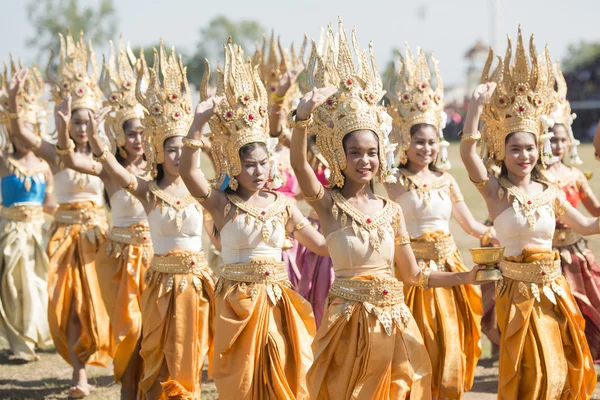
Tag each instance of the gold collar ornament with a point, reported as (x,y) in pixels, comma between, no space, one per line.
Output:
(240,118)
(167,104)
(561,113)
(415,101)
(31,105)
(522,100)
(353,107)
(117,82)
(72,74)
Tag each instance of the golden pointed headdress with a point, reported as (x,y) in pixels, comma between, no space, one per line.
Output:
(522,99)
(117,82)
(353,107)
(72,75)
(561,112)
(241,117)
(415,101)
(167,103)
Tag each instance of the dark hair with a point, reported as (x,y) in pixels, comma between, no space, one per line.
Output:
(348,136)
(243,152)
(536,175)
(413,130)
(160,172)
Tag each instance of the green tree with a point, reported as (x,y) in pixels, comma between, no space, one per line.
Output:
(212,38)
(580,54)
(49,17)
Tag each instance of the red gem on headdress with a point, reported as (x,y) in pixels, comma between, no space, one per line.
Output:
(127,84)
(177,114)
(521,89)
(174,97)
(246,98)
(250,117)
(543,273)
(144,238)
(349,82)
(113,97)
(529,202)
(424,185)
(229,114)
(267,273)
(385,292)
(192,263)
(371,97)
(65,85)
(539,101)
(501,100)
(156,109)
(178,202)
(405,97)
(369,220)
(521,109)
(330,102)
(79,90)
(423,86)
(263,212)
(424,103)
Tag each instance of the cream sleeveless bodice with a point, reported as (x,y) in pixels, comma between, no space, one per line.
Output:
(254,233)
(72,186)
(175,223)
(126,209)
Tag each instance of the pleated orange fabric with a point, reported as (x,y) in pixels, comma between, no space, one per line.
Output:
(262,348)
(121,268)
(450,322)
(177,332)
(543,351)
(73,281)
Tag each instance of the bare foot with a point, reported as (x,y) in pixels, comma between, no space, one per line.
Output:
(78,392)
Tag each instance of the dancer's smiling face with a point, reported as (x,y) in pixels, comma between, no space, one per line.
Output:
(362,156)
(424,145)
(172,150)
(520,153)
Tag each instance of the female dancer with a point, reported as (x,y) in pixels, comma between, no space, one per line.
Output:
(26,186)
(368,346)
(577,261)
(177,301)
(264,327)
(543,349)
(449,318)
(124,257)
(76,313)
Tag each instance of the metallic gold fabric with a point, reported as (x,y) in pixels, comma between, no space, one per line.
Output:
(23,287)
(543,351)
(177,333)
(72,280)
(262,346)
(449,320)
(121,268)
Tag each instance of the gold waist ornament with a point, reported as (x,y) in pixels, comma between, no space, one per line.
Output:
(136,236)
(23,213)
(183,263)
(437,250)
(533,276)
(565,237)
(92,216)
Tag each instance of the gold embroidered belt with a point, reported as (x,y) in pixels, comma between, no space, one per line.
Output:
(23,213)
(91,216)
(183,263)
(565,237)
(378,291)
(136,236)
(541,273)
(437,250)
(256,271)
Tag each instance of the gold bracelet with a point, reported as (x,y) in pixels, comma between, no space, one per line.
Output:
(69,149)
(424,279)
(402,239)
(480,185)
(278,134)
(316,197)
(277,99)
(299,124)
(206,216)
(102,156)
(487,236)
(193,144)
(201,199)
(301,225)
(470,137)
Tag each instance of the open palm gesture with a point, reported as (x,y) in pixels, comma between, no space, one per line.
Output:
(483,93)
(312,100)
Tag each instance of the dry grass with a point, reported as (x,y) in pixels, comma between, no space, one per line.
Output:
(49,378)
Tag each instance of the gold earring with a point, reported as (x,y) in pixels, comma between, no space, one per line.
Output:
(233,183)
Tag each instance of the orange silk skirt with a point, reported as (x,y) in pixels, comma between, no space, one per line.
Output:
(73,282)
(121,268)
(450,322)
(543,350)
(177,332)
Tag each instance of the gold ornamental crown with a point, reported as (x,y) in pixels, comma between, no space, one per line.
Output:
(561,112)
(72,74)
(241,117)
(522,99)
(167,103)
(117,82)
(415,101)
(353,107)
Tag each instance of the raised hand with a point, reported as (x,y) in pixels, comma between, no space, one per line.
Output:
(206,109)
(312,100)
(92,128)
(15,84)
(63,114)
(483,93)
(288,79)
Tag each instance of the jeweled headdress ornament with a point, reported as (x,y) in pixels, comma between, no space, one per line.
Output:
(415,101)
(353,107)
(117,82)
(561,112)
(167,103)
(241,117)
(31,105)
(72,74)
(522,100)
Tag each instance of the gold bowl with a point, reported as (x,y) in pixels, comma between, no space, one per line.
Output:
(488,256)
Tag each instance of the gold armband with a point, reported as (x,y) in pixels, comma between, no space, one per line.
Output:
(69,149)
(132,185)
(102,156)
(277,99)
(402,239)
(424,279)
(470,137)
(561,209)
(12,115)
(193,144)
(301,225)
(316,197)
(299,124)
(456,197)
(480,185)
(201,199)
(207,216)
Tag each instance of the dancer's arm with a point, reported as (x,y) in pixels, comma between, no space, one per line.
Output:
(277,114)
(574,219)
(588,198)
(49,204)
(463,215)
(306,234)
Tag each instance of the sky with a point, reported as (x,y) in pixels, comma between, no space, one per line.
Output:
(446,27)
